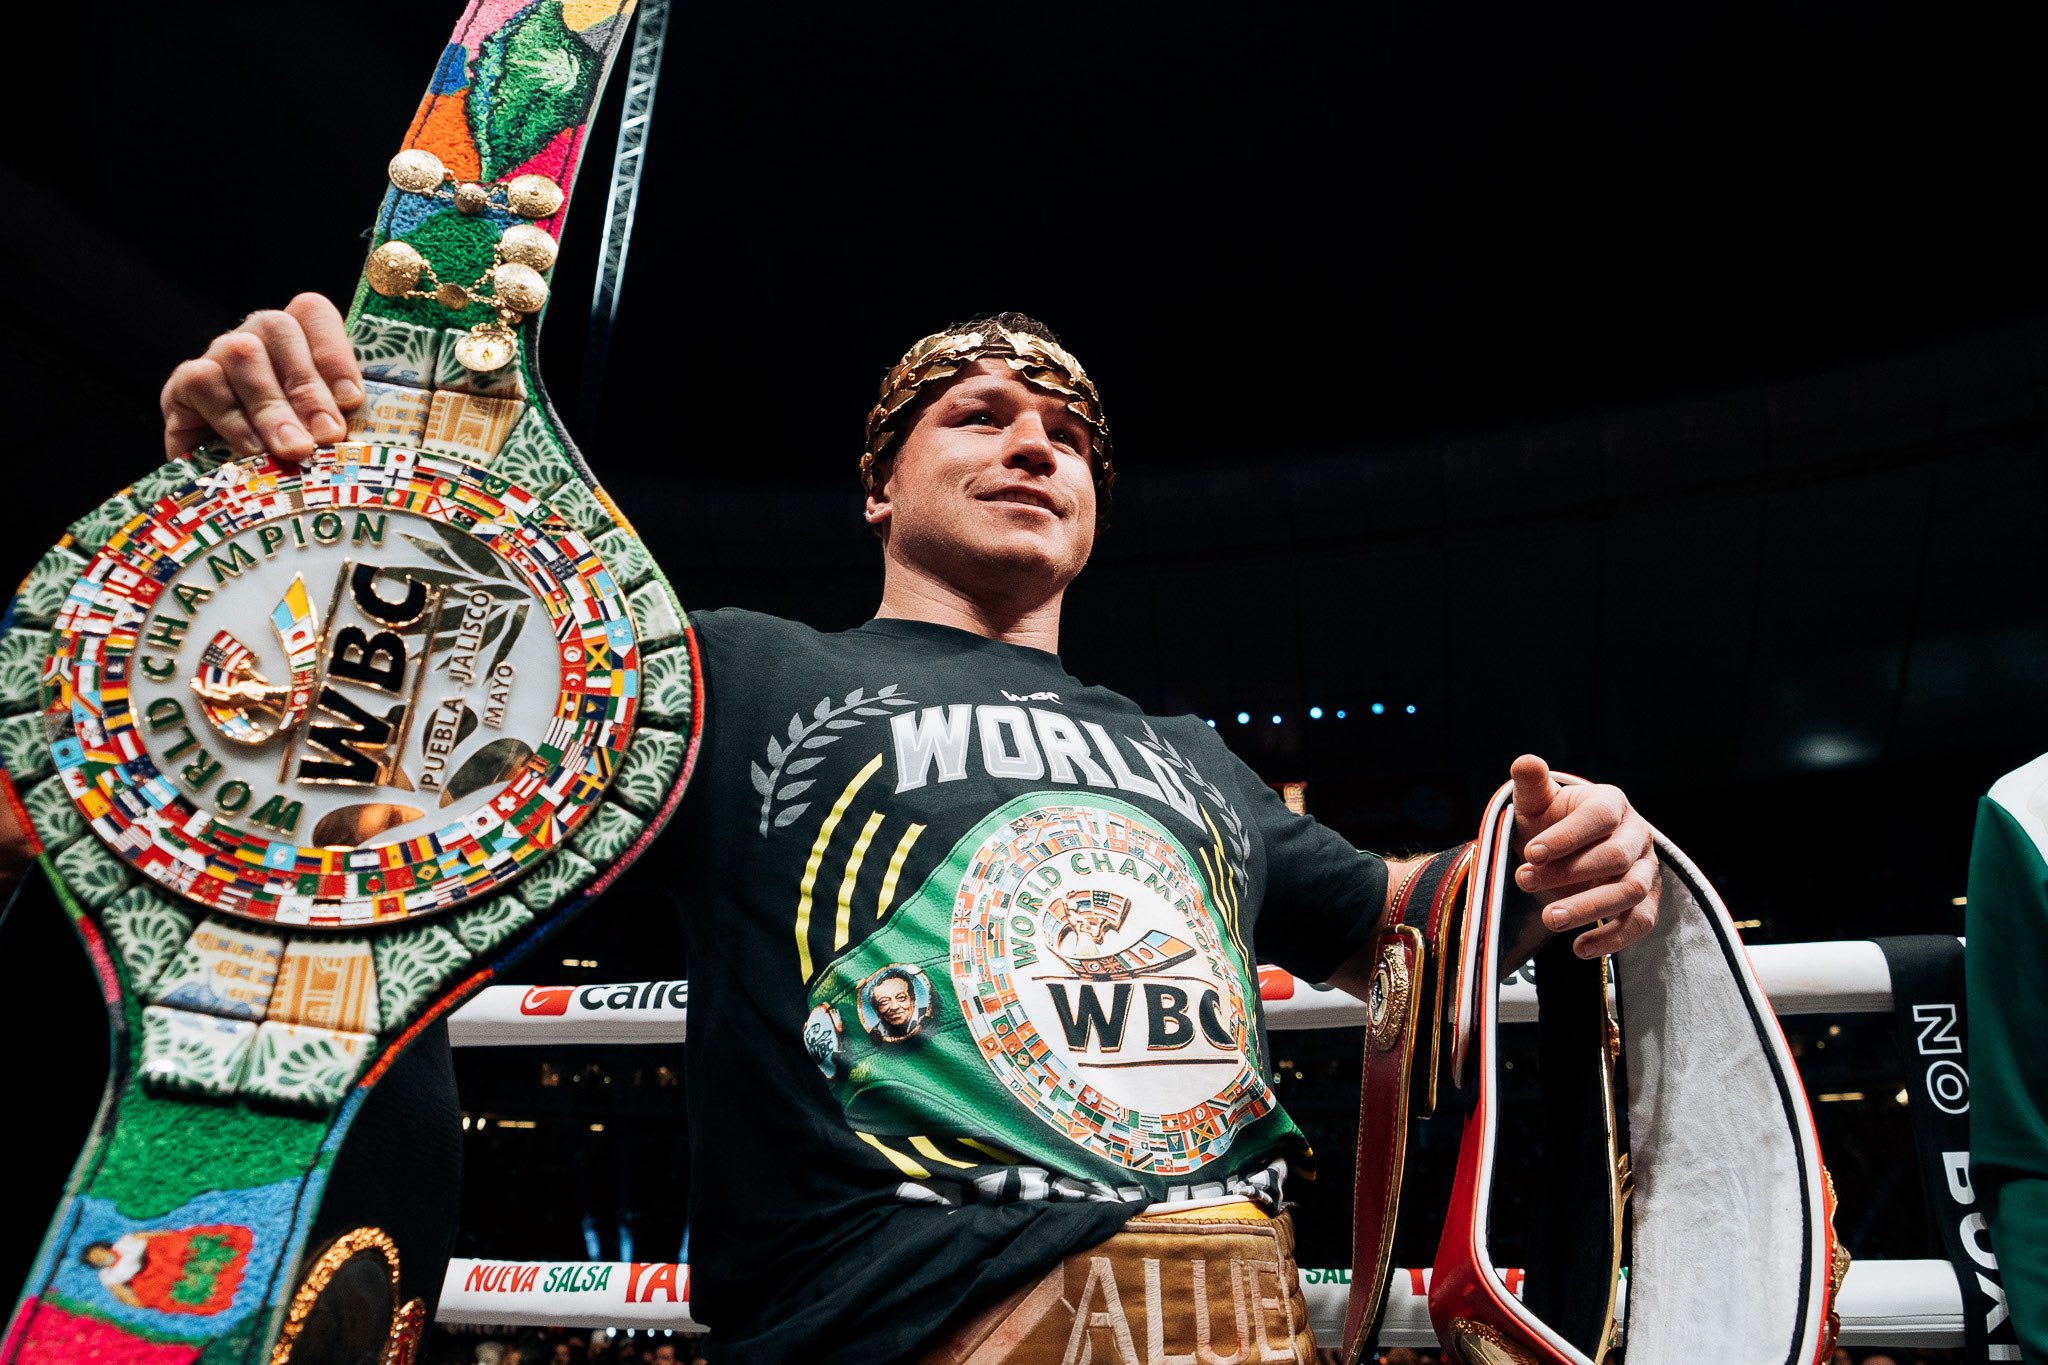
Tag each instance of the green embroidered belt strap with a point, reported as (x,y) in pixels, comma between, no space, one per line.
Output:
(311,751)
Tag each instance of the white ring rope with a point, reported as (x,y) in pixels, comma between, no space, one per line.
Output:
(1847,977)
(1883,1303)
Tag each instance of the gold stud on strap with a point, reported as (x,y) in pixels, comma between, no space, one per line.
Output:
(529,246)
(519,287)
(394,268)
(417,171)
(533,196)
(485,347)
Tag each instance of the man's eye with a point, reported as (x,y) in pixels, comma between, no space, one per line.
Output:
(986,419)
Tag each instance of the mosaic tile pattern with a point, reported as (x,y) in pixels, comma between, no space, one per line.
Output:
(665,690)
(608,833)
(391,414)
(196,1053)
(22,652)
(49,808)
(96,527)
(582,510)
(298,1064)
(147,930)
(508,381)
(469,426)
(652,761)
(555,881)
(625,554)
(412,964)
(24,752)
(530,457)
(162,480)
(328,983)
(655,617)
(46,586)
(485,927)
(223,970)
(94,873)
(393,352)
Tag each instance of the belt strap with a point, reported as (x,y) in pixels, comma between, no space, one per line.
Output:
(1731,1205)
(1404,1011)
(1928,1002)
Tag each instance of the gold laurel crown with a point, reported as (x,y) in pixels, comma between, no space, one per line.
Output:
(1039,362)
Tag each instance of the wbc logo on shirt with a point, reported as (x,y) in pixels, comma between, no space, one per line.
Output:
(1100,989)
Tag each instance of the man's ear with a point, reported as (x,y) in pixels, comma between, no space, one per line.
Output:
(878,508)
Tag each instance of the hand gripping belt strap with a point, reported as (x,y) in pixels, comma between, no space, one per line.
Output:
(1708,1182)
(262,971)
(1405,1013)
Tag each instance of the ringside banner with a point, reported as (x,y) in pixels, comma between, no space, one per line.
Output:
(1800,978)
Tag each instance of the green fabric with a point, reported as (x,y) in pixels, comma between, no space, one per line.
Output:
(2007,956)
(532,81)
(461,249)
(164,1150)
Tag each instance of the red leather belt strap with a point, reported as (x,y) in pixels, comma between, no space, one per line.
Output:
(1405,1005)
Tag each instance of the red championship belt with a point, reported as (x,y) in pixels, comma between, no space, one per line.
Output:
(1404,1010)
(1705,1182)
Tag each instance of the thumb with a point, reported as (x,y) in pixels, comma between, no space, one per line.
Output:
(1534,788)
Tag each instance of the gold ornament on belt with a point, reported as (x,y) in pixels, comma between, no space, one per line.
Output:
(514,285)
(401,1325)
(1386,1006)
(1044,365)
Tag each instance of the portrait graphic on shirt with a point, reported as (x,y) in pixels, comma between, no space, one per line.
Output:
(894,1003)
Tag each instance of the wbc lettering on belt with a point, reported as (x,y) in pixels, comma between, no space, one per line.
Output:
(628,995)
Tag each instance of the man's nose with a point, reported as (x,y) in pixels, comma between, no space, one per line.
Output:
(1030,444)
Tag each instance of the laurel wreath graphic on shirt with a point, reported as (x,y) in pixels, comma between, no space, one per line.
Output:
(1237,843)
(827,725)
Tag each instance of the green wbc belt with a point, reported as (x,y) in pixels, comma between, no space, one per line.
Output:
(310,751)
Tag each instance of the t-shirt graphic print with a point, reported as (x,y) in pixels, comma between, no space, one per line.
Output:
(1066,996)
(972,973)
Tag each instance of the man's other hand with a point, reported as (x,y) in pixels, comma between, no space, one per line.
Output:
(1587,858)
(281,382)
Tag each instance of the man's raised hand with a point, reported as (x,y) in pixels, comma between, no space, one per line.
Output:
(281,382)
(1587,857)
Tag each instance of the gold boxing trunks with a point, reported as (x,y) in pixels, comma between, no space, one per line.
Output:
(1175,1287)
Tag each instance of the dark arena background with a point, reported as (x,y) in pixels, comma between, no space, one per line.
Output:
(1657,388)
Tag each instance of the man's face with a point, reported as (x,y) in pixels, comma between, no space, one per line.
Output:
(991,491)
(894,1001)
(664,1354)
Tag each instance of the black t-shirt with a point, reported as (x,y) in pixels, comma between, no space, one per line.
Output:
(972,976)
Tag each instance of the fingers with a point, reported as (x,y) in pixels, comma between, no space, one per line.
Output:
(1630,926)
(1592,813)
(1603,862)
(333,356)
(1604,899)
(1535,788)
(279,383)
(198,402)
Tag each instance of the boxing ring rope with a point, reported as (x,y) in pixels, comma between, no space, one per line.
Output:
(1883,1303)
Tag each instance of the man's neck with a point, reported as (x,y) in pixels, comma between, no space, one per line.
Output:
(910,595)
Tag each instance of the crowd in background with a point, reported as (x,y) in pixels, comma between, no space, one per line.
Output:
(560,1346)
